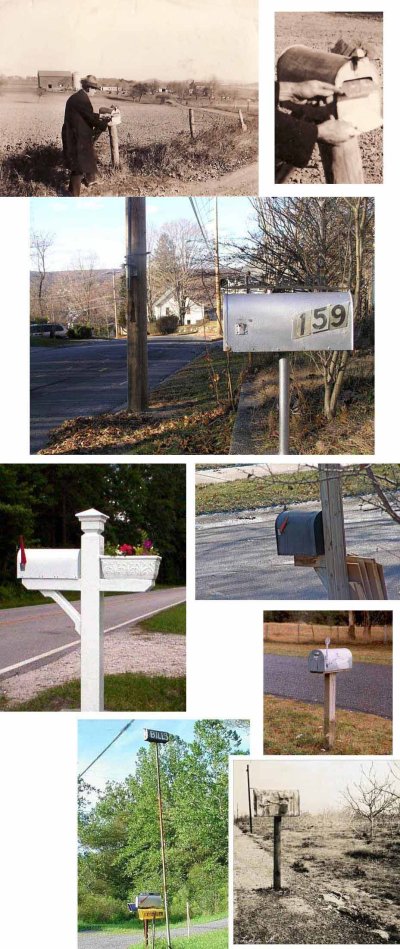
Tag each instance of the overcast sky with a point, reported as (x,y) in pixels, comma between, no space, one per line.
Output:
(320,781)
(97,225)
(131,39)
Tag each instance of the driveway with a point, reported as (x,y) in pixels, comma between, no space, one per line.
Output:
(367,687)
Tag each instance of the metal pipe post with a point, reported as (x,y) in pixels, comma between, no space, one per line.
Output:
(164,871)
(283,404)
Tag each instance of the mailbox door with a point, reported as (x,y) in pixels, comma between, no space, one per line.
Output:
(316,661)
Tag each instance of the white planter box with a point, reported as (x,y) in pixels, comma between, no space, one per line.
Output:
(126,568)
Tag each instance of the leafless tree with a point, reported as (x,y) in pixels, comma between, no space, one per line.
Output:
(41,242)
(371,797)
(173,264)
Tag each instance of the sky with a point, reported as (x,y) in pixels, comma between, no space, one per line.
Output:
(131,39)
(319,781)
(97,225)
(119,761)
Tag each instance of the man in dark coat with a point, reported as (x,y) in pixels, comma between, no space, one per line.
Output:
(294,137)
(81,128)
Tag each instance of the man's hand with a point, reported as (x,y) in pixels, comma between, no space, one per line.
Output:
(309,89)
(335,132)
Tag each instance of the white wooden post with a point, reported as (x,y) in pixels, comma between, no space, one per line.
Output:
(92,625)
(329,709)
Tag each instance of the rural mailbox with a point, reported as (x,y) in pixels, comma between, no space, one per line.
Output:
(149,901)
(47,564)
(288,322)
(276,803)
(356,79)
(330,660)
(300,533)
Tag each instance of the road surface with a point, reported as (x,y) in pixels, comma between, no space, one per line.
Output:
(236,556)
(96,940)
(29,632)
(89,378)
(367,687)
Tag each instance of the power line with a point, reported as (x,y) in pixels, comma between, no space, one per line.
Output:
(106,748)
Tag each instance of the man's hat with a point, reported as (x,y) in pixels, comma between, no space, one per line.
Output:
(90,82)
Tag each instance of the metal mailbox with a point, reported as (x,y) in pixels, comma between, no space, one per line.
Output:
(330,660)
(48,564)
(359,99)
(149,901)
(288,322)
(300,533)
(276,803)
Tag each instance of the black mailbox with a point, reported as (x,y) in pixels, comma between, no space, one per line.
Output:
(300,532)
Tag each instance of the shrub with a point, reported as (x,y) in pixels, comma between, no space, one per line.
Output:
(100,908)
(80,332)
(167,324)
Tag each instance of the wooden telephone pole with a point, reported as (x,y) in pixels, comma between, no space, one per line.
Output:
(136,316)
(217,275)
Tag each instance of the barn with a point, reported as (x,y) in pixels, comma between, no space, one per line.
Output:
(55,81)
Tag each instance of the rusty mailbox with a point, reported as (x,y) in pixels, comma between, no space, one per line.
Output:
(300,533)
(276,803)
(356,78)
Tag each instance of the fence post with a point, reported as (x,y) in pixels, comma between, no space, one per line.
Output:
(92,625)
(192,123)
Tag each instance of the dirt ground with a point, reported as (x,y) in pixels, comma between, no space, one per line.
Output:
(125,650)
(304,633)
(320,31)
(336,887)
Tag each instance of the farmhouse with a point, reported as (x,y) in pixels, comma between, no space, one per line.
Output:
(195,311)
(55,81)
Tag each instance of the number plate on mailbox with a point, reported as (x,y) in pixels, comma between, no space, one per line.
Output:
(321,320)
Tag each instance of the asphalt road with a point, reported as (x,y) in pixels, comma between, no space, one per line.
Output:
(28,632)
(236,556)
(89,378)
(367,687)
(93,940)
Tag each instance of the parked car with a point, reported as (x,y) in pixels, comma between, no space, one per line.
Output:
(48,329)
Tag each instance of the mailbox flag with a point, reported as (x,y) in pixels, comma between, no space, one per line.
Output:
(22,549)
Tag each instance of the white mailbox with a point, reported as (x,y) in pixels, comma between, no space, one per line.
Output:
(288,322)
(45,564)
(330,660)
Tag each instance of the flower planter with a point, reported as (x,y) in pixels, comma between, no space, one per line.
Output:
(126,568)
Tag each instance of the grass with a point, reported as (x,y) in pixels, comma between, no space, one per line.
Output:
(189,413)
(370,652)
(296,728)
(172,620)
(298,486)
(214,939)
(124,692)
(133,923)
(15,595)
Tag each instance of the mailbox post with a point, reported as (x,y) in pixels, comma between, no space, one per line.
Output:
(91,573)
(328,663)
(157,738)
(276,804)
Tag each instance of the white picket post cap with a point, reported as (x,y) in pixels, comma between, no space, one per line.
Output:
(92,520)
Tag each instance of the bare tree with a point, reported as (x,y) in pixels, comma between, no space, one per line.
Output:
(371,797)
(173,264)
(41,241)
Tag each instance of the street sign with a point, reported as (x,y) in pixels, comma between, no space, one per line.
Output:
(151,913)
(288,322)
(151,735)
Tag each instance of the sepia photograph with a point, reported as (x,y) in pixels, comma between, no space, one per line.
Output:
(256,316)
(310,705)
(134,97)
(315,851)
(298,532)
(328,98)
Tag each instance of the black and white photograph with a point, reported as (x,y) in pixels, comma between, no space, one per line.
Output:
(328,97)
(315,852)
(133,97)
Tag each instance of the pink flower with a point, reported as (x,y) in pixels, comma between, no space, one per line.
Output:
(147,544)
(126,549)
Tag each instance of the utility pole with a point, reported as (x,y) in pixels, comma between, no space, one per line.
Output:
(217,276)
(115,305)
(136,317)
(164,870)
(249,798)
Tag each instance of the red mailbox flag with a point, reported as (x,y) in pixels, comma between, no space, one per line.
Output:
(22,549)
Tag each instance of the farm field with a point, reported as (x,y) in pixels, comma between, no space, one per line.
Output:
(316,633)
(337,888)
(156,151)
(320,31)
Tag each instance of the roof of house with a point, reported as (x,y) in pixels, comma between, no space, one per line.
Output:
(169,295)
(59,73)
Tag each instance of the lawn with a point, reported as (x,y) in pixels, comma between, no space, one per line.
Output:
(133,923)
(172,620)
(373,652)
(15,595)
(125,692)
(214,939)
(286,488)
(296,728)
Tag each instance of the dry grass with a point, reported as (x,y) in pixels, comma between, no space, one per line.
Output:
(317,633)
(296,728)
(367,652)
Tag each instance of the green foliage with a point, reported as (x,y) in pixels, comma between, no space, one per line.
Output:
(167,324)
(80,332)
(122,692)
(120,837)
(172,620)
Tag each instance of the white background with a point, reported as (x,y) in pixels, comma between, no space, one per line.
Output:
(38,751)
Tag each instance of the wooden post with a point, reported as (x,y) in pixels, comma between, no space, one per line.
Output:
(330,481)
(187,917)
(242,122)
(218,307)
(146,931)
(114,145)
(277,853)
(92,626)
(342,163)
(192,123)
(136,318)
(249,799)
(329,709)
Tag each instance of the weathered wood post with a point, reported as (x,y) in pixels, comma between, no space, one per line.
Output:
(330,481)
(242,122)
(277,852)
(92,662)
(329,710)
(249,799)
(192,126)
(114,145)
(342,164)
